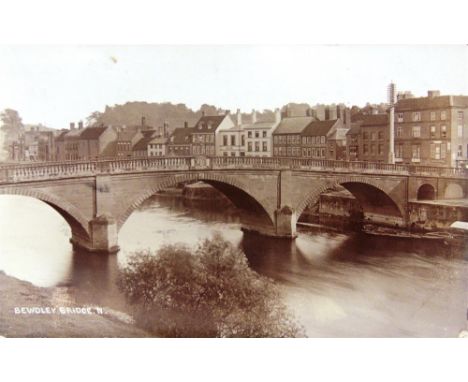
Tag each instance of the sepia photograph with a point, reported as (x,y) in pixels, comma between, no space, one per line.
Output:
(233,191)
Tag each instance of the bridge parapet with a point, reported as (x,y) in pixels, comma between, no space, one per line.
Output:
(58,170)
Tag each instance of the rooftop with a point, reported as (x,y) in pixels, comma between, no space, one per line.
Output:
(92,132)
(181,135)
(209,123)
(293,125)
(431,102)
(319,128)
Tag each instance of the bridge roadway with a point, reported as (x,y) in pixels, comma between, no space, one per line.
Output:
(96,197)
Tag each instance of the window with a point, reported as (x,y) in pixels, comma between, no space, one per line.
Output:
(460,131)
(380,134)
(399,151)
(399,131)
(304,140)
(365,135)
(242,140)
(264,146)
(249,134)
(264,134)
(433,115)
(373,136)
(443,131)
(399,117)
(416,151)
(275,139)
(416,116)
(443,151)
(433,131)
(275,151)
(443,115)
(416,131)
(257,134)
(289,151)
(460,151)
(225,141)
(249,147)
(366,149)
(322,140)
(257,146)
(380,149)
(233,140)
(437,151)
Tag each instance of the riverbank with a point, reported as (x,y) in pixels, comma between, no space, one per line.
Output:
(30,311)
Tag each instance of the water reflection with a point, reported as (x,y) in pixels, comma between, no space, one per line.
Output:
(337,284)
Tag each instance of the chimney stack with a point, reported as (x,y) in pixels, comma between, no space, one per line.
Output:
(185,125)
(254,116)
(391,122)
(203,113)
(80,125)
(277,115)
(72,125)
(433,93)
(238,117)
(143,121)
(227,112)
(165,128)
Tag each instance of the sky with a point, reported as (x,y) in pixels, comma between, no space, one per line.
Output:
(55,85)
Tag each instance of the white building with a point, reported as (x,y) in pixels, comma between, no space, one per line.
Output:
(157,147)
(258,136)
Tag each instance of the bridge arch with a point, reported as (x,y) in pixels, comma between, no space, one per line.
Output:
(78,224)
(453,191)
(236,191)
(426,192)
(370,194)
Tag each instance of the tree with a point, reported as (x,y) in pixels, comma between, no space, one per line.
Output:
(11,120)
(210,292)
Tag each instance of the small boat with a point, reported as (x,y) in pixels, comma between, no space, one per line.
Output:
(459,233)
(374,230)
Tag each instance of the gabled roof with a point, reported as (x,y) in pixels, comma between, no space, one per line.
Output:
(319,128)
(422,103)
(293,125)
(61,136)
(127,135)
(92,132)
(142,144)
(181,136)
(373,120)
(209,123)
(259,125)
(355,129)
(158,139)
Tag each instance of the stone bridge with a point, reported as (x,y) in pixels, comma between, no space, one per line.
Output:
(97,197)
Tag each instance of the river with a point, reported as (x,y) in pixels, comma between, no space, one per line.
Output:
(337,284)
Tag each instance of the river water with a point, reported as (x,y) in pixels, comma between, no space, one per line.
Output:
(337,284)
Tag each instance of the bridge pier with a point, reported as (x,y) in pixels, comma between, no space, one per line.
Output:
(103,236)
(286,220)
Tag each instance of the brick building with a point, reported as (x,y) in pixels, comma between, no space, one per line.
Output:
(180,142)
(205,135)
(368,139)
(431,130)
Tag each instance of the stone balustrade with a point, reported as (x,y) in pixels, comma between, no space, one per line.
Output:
(60,170)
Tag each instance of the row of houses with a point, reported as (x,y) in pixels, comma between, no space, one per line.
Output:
(427,130)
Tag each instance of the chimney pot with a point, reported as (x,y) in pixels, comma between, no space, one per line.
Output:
(277,115)
(238,117)
(72,125)
(254,116)
(80,125)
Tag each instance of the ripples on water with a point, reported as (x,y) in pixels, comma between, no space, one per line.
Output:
(340,285)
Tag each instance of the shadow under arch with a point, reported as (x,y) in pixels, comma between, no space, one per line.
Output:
(372,199)
(71,215)
(252,213)
(426,192)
